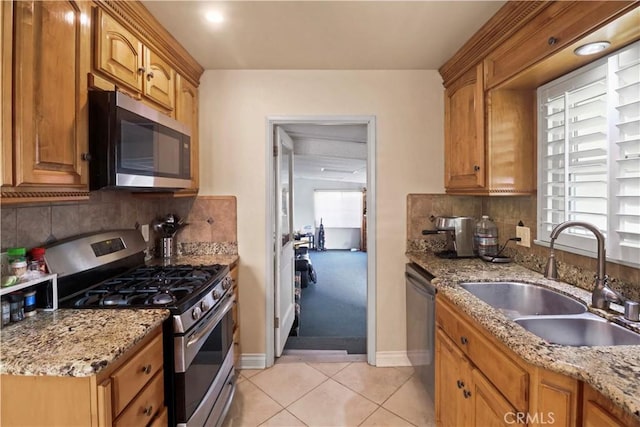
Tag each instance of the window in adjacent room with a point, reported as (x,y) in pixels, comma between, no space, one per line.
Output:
(338,209)
(589,156)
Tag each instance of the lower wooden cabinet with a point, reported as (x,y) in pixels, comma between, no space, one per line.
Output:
(480,382)
(128,393)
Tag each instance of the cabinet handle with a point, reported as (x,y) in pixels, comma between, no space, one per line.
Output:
(464,340)
(148,410)
(552,41)
(141,70)
(460,383)
(86,157)
(476,168)
(467,394)
(149,75)
(146,369)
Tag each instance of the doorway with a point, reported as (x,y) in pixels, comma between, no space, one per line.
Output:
(341,157)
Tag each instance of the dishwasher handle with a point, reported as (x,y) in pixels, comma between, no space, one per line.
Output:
(422,287)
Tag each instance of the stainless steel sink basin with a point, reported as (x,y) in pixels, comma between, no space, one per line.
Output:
(579,331)
(517,299)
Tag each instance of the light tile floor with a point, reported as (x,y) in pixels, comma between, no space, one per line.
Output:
(329,394)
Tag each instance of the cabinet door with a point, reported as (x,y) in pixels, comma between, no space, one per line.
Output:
(490,408)
(187,113)
(118,53)
(453,383)
(464,132)
(159,80)
(51,62)
(599,411)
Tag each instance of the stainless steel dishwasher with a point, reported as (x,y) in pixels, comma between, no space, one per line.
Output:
(421,318)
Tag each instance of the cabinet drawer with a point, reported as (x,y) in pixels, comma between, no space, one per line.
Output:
(131,378)
(161,420)
(143,408)
(497,367)
(556,27)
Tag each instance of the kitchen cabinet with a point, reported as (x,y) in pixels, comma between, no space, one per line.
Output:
(122,57)
(490,113)
(129,392)
(599,411)
(187,113)
(235,315)
(45,144)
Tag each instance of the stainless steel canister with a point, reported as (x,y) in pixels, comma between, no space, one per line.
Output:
(167,247)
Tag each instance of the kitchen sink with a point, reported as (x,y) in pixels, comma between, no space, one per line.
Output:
(588,330)
(518,299)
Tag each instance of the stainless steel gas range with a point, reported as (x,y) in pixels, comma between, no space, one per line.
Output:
(106,270)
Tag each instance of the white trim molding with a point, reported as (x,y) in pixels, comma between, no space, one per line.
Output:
(252,361)
(392,358)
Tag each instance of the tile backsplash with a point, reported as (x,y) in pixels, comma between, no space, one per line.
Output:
(506,212)
(212,219)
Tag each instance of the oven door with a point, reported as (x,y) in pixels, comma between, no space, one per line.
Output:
(203,363)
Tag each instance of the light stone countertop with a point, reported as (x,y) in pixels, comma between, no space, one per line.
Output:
(71,342)
(229,260)
(612,370)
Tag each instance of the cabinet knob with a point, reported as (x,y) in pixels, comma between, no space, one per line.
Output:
(146,369)
(460,384)
(476,168)
(467,394)
(148,411)
(149,75)
(464,340)
(141,70)
(552,41)
(86,157)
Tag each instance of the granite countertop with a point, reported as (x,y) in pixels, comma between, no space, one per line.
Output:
(76,343)
(229,260)
(612,370)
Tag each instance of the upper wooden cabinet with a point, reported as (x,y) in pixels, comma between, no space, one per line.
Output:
(464,132)
(490,112)
(122,57)
(187,113)
(45,144)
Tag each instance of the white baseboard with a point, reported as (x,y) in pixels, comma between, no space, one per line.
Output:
(252,361)
(392,358)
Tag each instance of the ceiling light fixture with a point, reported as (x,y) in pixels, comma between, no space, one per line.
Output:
(591,48)
(215,17)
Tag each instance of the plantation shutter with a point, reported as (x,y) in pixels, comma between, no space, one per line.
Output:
(589,155)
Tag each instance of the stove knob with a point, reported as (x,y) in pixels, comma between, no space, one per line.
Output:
(226,284)
(196,313)
(204,306)
(216,294)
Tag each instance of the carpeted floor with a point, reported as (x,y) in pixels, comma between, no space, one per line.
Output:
(333,310)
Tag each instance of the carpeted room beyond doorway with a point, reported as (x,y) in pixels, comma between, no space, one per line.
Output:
(333,310)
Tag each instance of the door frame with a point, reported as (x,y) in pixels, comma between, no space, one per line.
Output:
(271,123)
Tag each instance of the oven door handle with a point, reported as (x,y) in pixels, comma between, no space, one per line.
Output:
(186,352)
(212,323)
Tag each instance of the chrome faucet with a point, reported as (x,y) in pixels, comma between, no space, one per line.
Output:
(602,293)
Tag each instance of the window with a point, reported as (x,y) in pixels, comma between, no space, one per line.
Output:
(589,156)
(338,209)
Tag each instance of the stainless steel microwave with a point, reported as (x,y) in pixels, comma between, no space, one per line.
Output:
(135,147)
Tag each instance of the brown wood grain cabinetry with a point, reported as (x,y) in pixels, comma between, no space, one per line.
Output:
(464,132)
(599,411)
(43,146)
(187,113)
(123,58)
(116,396)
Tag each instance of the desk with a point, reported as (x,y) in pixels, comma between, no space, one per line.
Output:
(307,240)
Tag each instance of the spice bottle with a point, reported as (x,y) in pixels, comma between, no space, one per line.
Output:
(6,312)
(16,306)
(16,254)
(29,303)
(37,258)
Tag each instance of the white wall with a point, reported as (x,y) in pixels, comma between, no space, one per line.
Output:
(408,106)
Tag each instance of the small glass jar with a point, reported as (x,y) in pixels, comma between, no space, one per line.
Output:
(37,260)
(19,268)
(16,306)
(6,312)
(29,303)
(16,254)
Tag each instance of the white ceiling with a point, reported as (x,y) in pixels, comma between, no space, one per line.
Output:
(339,34)
(323,34)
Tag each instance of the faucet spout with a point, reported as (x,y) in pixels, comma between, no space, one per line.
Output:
(602,293)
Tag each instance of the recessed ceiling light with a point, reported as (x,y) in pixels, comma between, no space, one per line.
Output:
(591,48)
(215,17)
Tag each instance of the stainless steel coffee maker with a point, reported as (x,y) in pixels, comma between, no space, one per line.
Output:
(459,234)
